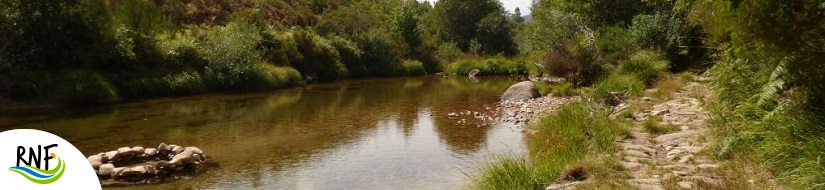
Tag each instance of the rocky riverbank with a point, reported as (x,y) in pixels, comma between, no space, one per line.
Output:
(520,104)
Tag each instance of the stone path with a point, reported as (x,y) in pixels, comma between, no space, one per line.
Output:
(670,161)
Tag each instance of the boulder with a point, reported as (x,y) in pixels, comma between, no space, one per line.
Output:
(161,165)
(138,150)
(198,157)
(95,161)
(112,155)
(150,152)
(105,170)
(193,150)
(119,172)
(136,171)
(124,150)
(163,147)
(176,149)
(183,158)
(521,91)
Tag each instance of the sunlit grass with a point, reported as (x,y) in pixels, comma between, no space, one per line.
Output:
(575,132)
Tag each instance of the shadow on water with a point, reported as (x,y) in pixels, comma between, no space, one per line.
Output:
(361,134)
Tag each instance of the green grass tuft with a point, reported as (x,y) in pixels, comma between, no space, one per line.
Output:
(576,132)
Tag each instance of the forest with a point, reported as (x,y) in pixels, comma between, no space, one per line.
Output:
(762,58)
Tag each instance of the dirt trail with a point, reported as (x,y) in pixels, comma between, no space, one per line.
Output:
(670,161)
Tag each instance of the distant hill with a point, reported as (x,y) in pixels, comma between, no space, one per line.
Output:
(528,18)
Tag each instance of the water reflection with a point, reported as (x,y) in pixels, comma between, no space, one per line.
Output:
(358,134)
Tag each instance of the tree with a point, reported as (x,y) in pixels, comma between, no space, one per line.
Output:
(517,16)
(406,22)
(495,35)
(458,22)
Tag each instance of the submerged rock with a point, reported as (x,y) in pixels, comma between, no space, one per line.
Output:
(521,91)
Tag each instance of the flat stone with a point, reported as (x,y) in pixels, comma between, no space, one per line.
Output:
(635,159)
(648,187)
(637,153)
(685,184)
(633,166)
(645,181)
(638,147)
(685,158)
(676,138)
(706,166)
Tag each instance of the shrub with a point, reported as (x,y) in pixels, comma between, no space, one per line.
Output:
(84,87)
(616,43)
(575,62)
(180,48)
(645,64)
(448,52)
(380,58)
(230,52)
(319,59)
(183,83)
(412,67)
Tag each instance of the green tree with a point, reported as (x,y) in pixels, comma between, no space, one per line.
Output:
(517,16)
(495,35)
(406,22)
(458,20)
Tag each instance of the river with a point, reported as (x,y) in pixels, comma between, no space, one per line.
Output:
(382,133)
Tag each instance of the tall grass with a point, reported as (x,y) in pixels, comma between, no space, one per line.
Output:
(491,66)
(645,64)
(618,83)
(575,132)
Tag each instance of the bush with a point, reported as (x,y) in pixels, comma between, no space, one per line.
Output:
(173,84)
(448,52)
(646,65)
(230,52)
(413,67)
(575,62)
(616,43)
(84,87)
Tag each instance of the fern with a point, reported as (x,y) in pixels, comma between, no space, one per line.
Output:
(776,83)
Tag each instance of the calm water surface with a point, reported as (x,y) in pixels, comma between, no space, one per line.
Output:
(357,134)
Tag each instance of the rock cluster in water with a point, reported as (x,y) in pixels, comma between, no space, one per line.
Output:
(139,164)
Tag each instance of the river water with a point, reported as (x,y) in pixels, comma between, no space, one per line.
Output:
(384,133)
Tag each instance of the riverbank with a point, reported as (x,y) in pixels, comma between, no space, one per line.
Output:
(661,140)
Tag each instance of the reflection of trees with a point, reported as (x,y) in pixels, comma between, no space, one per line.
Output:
(464,95)
(286,124)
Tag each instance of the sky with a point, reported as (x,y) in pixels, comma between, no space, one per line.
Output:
(511,5)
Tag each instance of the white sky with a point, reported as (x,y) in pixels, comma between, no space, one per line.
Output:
(511,5)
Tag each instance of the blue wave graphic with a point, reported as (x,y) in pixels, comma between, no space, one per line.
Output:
(31,172)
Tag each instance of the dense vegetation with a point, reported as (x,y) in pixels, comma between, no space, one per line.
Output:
(767,73)
(767,77)
(96,51)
